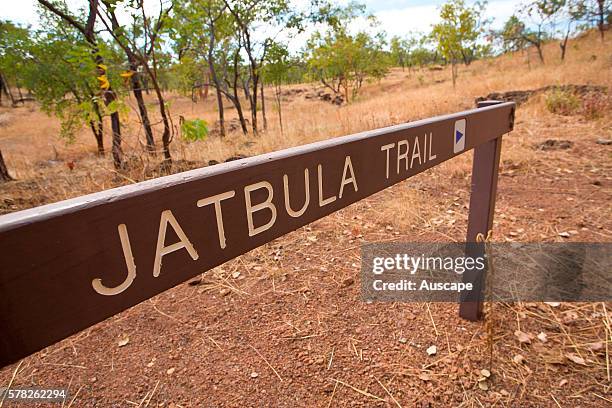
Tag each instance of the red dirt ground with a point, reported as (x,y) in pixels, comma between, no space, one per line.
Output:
(285,326)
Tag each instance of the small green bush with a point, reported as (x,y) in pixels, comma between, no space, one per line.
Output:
(562,102)
(194,130)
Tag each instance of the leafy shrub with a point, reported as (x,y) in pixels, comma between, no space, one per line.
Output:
(194,130)
(562,102)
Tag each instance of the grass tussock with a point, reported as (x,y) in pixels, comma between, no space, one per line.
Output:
(562,102)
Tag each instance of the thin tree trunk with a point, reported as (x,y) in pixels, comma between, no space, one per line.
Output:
(221,113)
(215,79)
(278,102)
(254,104)
(345,85)
(240,112)
(4,174)
(109,97)
(600,14)
(236,99)
(142,107)
(116,150)
(205,85)
(145,83)
(144,115)
(20,95)
(98,130)
(7,90)
(263,107)
(540,52)
(563,46)
(162,112)
(95,129)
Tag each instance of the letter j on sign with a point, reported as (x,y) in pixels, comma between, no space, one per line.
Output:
(459,136)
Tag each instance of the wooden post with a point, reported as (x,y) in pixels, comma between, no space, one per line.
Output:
(485,170)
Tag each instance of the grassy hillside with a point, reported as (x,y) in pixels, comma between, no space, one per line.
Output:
(38,158)
(284,325)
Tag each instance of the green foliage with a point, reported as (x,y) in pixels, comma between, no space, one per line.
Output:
(118,106)
(277,64)
(512,35)
(592,105)
(343,61)
(233,45)
(59,69)
(400,51)
(415,50)
(457,35)
(544,9)
(530,25)
(337,17)
(187,74)
(14,42)
(194,130)
(562,102)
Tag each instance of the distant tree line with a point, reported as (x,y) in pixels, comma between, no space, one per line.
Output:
(85,66)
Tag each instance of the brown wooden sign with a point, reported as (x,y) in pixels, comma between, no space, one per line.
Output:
(69,265)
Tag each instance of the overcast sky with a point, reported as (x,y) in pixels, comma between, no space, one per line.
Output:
(397,17)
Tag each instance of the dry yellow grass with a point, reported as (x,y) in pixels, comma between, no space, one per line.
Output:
(30,143)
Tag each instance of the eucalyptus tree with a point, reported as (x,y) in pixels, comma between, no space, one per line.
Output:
(276,71)
(204,31)
(541,15)
(341,60)
(512,35)
(85,27)
(400,49)
(458,35)
(233,75)
(130,40)
(257,23)
(142,46)
(598,12)
(13,41)
(55,65)
(58,70)
(570,14)
(423,52)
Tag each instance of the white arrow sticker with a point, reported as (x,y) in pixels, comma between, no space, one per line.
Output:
(459,136)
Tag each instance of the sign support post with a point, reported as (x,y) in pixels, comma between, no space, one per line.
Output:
(485,170)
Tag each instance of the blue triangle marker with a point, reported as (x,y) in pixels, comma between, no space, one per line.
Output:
(458,136)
